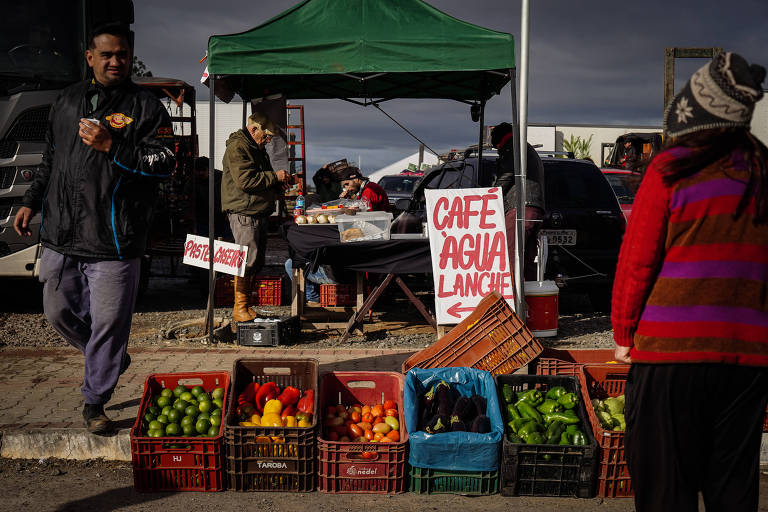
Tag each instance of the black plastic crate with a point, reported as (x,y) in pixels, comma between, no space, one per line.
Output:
(268,334)
(545,469)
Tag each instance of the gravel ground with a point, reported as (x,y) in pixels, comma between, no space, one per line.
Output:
(173,299)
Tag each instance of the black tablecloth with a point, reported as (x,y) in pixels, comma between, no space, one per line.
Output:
(321,245)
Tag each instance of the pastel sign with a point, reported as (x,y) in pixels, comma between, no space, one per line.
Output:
(468,243)
(228,258)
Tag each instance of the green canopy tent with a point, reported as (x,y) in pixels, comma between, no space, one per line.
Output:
(362,51)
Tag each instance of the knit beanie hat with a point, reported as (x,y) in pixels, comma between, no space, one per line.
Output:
(721,94)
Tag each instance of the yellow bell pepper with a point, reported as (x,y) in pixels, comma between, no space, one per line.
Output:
(255,419)
(273,407)
(290,421)
(304,424)
(271,420)
(247,424)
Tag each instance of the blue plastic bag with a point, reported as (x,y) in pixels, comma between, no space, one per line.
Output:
(453,451)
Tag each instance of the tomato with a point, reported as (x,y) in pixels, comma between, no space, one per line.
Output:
(382,427)
(356,417)
(355,431)
(341,430)
(394,435)
(368,455)
(377,436)
(368,435)
(364,425)
(348,422)
(391,412)
(367,417)
(344,439)
(365,409)
(386,439)
(377,410)
(340,410)
(331,410)
(390,404)
(392,422)
(377,420)
(332,436)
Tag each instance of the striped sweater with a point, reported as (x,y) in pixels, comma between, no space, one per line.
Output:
(692,282)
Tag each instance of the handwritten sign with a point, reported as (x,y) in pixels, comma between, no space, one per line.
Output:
(468,243)
(228,258)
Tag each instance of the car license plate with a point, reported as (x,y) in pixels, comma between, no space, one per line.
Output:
(560,236)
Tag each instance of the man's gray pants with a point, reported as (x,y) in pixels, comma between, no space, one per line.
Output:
(251,231)
(90,304)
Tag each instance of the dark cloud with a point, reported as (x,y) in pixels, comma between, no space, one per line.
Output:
(590,62)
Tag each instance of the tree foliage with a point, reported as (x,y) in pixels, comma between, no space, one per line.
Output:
(139,68)
(578,146)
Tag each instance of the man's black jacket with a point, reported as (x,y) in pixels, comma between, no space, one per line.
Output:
(534,177)
(97,204)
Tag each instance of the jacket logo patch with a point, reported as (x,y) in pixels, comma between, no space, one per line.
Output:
(118,120)
(165,132)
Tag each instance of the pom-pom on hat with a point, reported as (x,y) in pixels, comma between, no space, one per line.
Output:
(721,94)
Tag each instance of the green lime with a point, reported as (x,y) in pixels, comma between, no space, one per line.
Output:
(188,420)
(205,406)
(186,396)
(218,402)
(162,419)
(172,429)
(167,392)
(215,421)
(149,417)
(215,412)
(178,390)
(191,410)
(163,401)
(167,409)
(197,390)
(213,431)
(174,416)
(188,430)
(204,416)
(181,405)
(155,425)
(203,397)
(194,402)
(218,393)
(153,409)
(202,426)
(156,433)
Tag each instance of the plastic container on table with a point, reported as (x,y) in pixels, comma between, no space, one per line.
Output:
(453,462)
(178,463)
(271,458)
(602,381)
(541,298)
(362,467)
(546,469)
(491,338)
(369,226)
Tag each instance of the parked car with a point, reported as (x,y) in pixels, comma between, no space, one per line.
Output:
(624,184)
(584,223)
(399,186)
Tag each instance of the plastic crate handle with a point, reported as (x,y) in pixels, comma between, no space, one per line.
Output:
(177,447)
(363,456)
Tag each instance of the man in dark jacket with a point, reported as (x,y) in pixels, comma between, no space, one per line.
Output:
(96,190)
(502,139)
(249,189)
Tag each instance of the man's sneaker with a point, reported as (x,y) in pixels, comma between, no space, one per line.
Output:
(313,304)
(95,420)
(126,363)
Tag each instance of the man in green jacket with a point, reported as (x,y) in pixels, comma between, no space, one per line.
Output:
(249,189)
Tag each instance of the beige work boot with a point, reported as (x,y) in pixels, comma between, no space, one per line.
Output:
(240,311)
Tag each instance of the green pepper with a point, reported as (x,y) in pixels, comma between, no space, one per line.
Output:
(532,396)
(548,406)
(554,430)
(526,429)
(512,412)
(514,438)
(556,392)
(517,423)
(566,438)
(534,438)
(579,439)
(570,412)
(568,400)
(572,428)
(508,393)
(528,410)
(561,416)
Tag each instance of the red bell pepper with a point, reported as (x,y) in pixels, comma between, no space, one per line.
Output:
(248,394)
(267,391)
(289,396)
(288,411)
(307,402)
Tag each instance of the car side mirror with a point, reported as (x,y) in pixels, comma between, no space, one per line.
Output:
(403,204)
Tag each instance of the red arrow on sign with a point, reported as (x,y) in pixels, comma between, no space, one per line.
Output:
(456,309)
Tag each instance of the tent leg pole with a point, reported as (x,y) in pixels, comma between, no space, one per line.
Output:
(516,266)
(245,113)
(211,187)
(480,138)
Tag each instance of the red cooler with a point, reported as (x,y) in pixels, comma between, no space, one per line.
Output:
(542,299)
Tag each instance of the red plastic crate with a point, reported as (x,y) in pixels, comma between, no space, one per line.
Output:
(343,467)
(567,362)
(338,295)
(178,463)
(602,381)
(266,291)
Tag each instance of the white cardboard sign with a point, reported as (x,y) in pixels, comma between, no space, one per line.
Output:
(228,258)
(468,243)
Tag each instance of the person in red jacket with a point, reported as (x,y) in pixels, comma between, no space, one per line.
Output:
(690,301)
(354,186)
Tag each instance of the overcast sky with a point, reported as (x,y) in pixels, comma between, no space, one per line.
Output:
(593,61)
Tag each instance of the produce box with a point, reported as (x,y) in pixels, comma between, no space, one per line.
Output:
(266,291)
(178,463)
(349,465)
(268,332)
(538,468)
(262,456)
(435,481)
(600,382)
(338,295)
(452,461)
(491,338)
(554,361)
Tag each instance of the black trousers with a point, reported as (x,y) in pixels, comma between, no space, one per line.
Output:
(695,428)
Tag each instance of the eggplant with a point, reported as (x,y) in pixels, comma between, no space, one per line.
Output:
(481,424)
(438,424)
(462,409)
(458,426)
(444,398)
(480,404)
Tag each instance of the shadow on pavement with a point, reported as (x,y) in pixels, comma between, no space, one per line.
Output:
(114,499)
(386,363)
